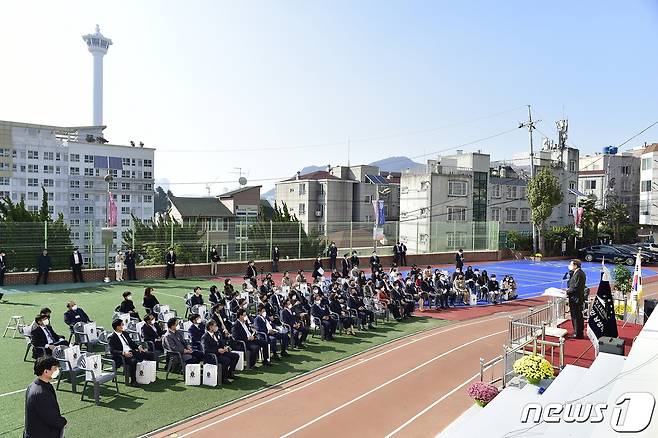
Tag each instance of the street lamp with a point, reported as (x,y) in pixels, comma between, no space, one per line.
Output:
(107,232)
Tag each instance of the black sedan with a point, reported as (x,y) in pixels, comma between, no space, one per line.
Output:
(612,254)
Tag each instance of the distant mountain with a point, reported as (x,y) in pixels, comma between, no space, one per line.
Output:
(395,164)
(269,195)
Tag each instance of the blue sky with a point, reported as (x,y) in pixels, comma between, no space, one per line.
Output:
(208,82)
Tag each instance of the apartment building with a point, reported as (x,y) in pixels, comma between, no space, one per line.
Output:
(71,164)
(648,198)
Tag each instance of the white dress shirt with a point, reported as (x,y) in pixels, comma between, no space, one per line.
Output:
(124,344)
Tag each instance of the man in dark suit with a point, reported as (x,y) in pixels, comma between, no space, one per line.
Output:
(332,253)
(241,331)
(130,260)
(276,255)
(125,350)
(76,262)
(459,259)
(264,325)
(321,311)
(214,260)
(214,346)
(252,273)
(42,415)
(170,260)
(354,260)
(396,253)
(403,254)
(299,332)
(44,264)
(75,315)
(356,303)
(44,337)
(374,263)
(345,266)
(3,267)
(576,295)
(173,340)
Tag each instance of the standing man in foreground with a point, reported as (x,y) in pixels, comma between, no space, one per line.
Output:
(42,416)
(576,295)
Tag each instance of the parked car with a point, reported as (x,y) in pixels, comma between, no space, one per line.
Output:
(619,254)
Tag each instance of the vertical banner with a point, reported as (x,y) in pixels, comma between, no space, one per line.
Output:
(112,211)
(378,206)
(636,291)
(577,215)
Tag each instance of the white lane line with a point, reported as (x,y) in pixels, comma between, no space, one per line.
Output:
(313,382)
(377,388)
(170,295)
(445,396)
(13,392)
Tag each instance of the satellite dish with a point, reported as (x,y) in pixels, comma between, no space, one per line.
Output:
(242,181)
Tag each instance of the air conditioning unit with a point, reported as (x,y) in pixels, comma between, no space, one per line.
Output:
(318,213)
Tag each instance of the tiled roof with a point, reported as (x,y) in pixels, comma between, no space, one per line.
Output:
(200,207)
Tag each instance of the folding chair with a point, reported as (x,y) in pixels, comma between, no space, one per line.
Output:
(82,338)
(173,357)
(98,377)
(73,369)
(27,335)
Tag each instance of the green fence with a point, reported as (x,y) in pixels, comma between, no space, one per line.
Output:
(244,240)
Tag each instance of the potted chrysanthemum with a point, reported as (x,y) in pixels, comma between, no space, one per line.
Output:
(482,393)
(534,368)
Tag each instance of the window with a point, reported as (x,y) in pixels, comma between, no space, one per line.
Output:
(48,169)
(4,180)
(456,239)
(456,213)
(495,191)
(125,210)
(32,196)
(644,207)
(33,155)
(125,186)
(74,209)
(74,157)
(456,188)
(646,163)
(590,184)
(113,185)
(572,165)
(74,171)
(89,209)
(5,166)
(525,215)
(89,158)
(33,208)
(74,222)
(147,175)
(125,174)
(368,199)
(572,185)
(58,156)
(33,182)
(302,190)
(89,171)
(148,163)
(511,192)
(32,168)
(217,224)
(89,184)
(58,170)
(626,185)
(125,161)
(571,207)
(148,198)
(125,222)
(625,170)
(495,214)
(125,198)
(510,214)
(74,184)
(49,182)
(148,187)
(4,152)
(48,156)
(302,208)
(645,186)
(521,192)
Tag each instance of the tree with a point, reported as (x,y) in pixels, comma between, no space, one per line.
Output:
(615,216)
(160,201)
(544,192)
(24,234)
(152,241)
(592,217)
(623,279)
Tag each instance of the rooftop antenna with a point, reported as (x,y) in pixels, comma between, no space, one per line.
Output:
(348,152)
(242,181)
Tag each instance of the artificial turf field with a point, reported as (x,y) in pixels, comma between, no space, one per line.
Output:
(139,410)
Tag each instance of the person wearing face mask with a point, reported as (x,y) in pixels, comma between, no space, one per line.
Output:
(299,331)
(214,295)
(337,306)
(242,331)
(44,337)
(216,349)
(127,305)
(76,262)
(75,315)
(125,352)
(196,330)
(252,274)
(43,418)
(365,315)
(196,298)
(221,318)
(170,261)
(150,301)
(173,340)
(576,295)
(263,325)
(152,333)
(322,312)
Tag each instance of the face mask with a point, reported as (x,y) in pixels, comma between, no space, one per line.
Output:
(263,314)
(289,306)
(317,302)
(74,308)
(46,321)
(129,298)
(215,329)
(55,374)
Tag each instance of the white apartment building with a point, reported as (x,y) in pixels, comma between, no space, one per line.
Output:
(71,163)
(648,189)
(609,178)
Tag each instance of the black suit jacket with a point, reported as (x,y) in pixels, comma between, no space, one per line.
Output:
(42,416)
(251,272)
(44,263)
(238,332)
(210,345)
(151,332)
(276,255)
(39,338)
(345,265)
(71,317)
(170,258)
(116,348)
(72,262)
(333,252)
(126,306)
(576,285)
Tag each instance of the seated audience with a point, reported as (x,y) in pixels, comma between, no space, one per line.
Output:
(125,351)
(75,315)
(44,336)
(173,341)
(216,349)
(127,305)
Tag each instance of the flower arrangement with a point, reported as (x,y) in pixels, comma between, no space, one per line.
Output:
(534,368)
(620,308)
(482,392)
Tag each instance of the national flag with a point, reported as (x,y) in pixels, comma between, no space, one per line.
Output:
(636,291)
(111,211)
(602,320)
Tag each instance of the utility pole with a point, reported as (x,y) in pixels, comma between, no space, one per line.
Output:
(531,127)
